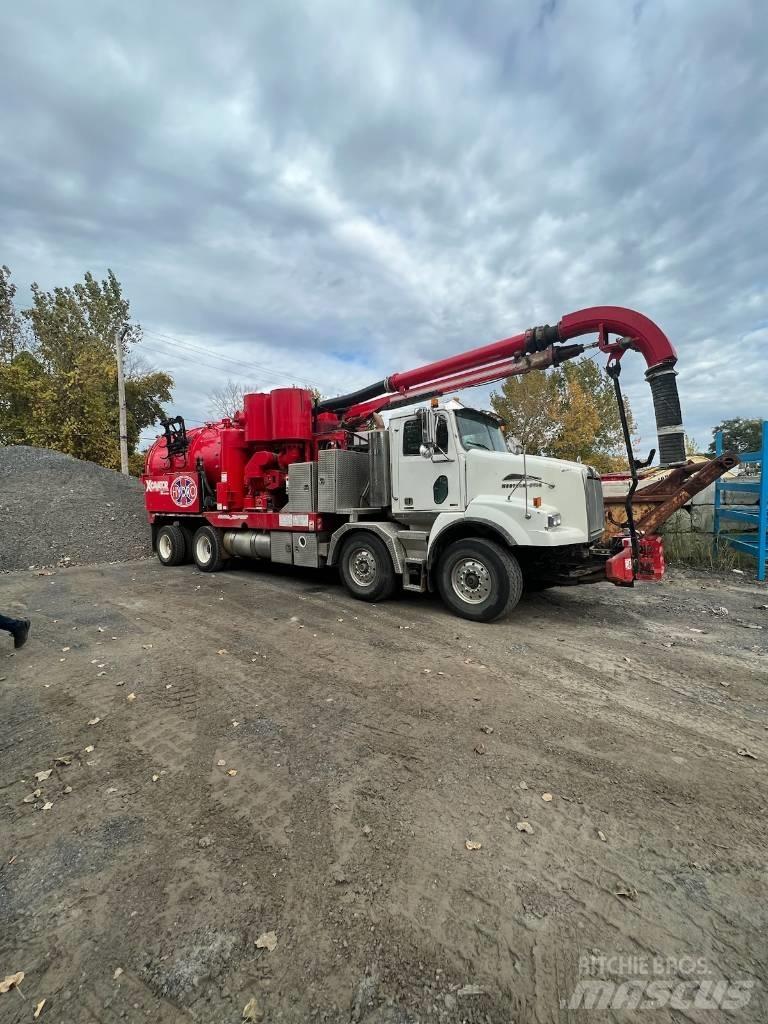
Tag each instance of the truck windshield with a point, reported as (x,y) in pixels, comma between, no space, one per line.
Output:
(477,430)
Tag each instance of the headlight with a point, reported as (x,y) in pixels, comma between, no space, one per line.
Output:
(553,521)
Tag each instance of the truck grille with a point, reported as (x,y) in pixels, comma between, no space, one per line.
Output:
(595,514)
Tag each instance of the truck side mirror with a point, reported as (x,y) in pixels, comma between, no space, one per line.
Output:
(426,418)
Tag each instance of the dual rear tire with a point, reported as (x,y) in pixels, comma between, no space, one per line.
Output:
(177,545)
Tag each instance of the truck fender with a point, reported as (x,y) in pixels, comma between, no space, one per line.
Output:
(386,531)
(450,526)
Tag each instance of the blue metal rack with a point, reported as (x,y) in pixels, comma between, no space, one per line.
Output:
(751,543)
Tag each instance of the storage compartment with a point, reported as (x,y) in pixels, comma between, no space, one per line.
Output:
(281,546)
(342,480)
(302,487)
(305,549)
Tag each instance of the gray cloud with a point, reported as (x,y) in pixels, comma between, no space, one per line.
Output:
(336,190)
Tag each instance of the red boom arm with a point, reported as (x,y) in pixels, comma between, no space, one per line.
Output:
(537,348)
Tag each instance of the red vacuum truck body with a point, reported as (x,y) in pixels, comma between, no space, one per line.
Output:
(436,500)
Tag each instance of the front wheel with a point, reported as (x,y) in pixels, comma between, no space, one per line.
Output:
(366,567)
(479,579)
(208,550)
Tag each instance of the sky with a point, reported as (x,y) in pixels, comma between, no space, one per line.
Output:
(322,192)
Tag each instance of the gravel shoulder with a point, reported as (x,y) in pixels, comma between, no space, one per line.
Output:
(268,755)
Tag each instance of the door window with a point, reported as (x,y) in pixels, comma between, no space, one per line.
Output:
(411,437)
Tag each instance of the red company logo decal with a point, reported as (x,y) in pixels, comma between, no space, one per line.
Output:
(183,491)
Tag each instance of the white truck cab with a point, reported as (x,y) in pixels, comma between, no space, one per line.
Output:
(469,517)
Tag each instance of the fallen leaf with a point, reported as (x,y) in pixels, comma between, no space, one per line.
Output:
(155,778)
(168,686)
(601,836)
(546,797)
(523,785)
(47,805)
(692,629)
(480,748)
(64,759)
(100,674)
(94,721)
(67,789)
(268,941)
(131,696)
(252,1011)
(487,729)
(38,1009)
(89,749)
(232,772)
(118,972)
(629,893)
(146,646)
(222,651)
(524,826)
(472,845)
(100,629)
(367,830)
(235,724)
(11,980)
(745,752)
(120,683)
(65,649)
(42,776)
(221,762)
(112,789)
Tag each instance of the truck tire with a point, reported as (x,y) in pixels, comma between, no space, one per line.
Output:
(479,579)
(366,567)
(171,545)
(208,550)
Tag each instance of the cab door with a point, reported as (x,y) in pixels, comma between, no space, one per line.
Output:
(425,485)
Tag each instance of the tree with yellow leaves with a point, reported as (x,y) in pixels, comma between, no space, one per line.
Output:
(566,413)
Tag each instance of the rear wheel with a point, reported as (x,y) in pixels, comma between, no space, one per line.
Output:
(171,545)
(208,550)
(479,579)
(366,567)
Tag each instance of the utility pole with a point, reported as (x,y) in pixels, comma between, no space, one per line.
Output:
(119,335)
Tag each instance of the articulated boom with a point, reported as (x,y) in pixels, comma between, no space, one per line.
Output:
(537,349)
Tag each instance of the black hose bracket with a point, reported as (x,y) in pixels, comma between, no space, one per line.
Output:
(613,369)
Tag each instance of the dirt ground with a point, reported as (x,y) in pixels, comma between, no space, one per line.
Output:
(255,752)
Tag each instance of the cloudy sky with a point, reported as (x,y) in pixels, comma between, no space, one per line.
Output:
(326,191)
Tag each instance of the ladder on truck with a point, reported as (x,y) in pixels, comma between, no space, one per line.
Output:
(753,542)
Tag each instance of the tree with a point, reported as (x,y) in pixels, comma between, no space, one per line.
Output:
(59,385)
(566,413)
(226,400)
(743,435)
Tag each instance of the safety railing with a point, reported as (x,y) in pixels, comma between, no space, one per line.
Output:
(753,542)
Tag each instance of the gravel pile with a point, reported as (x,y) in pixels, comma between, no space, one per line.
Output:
(56,510)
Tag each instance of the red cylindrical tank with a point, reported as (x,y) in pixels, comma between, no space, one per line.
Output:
(258,424)
(234,455)
(203,441)
(291,414)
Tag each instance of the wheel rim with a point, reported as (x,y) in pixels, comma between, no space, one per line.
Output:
(471,581)
(203,549)
(362,567)
(164,547)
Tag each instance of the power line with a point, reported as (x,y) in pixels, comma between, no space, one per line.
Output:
(167,339)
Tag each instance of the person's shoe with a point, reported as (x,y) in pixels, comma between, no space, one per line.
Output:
(21,633)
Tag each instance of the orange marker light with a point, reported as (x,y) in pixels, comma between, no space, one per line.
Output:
(537,502)
(434,402)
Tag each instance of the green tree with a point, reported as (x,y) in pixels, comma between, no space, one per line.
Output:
(744,435)
(59,385)
(567,413)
